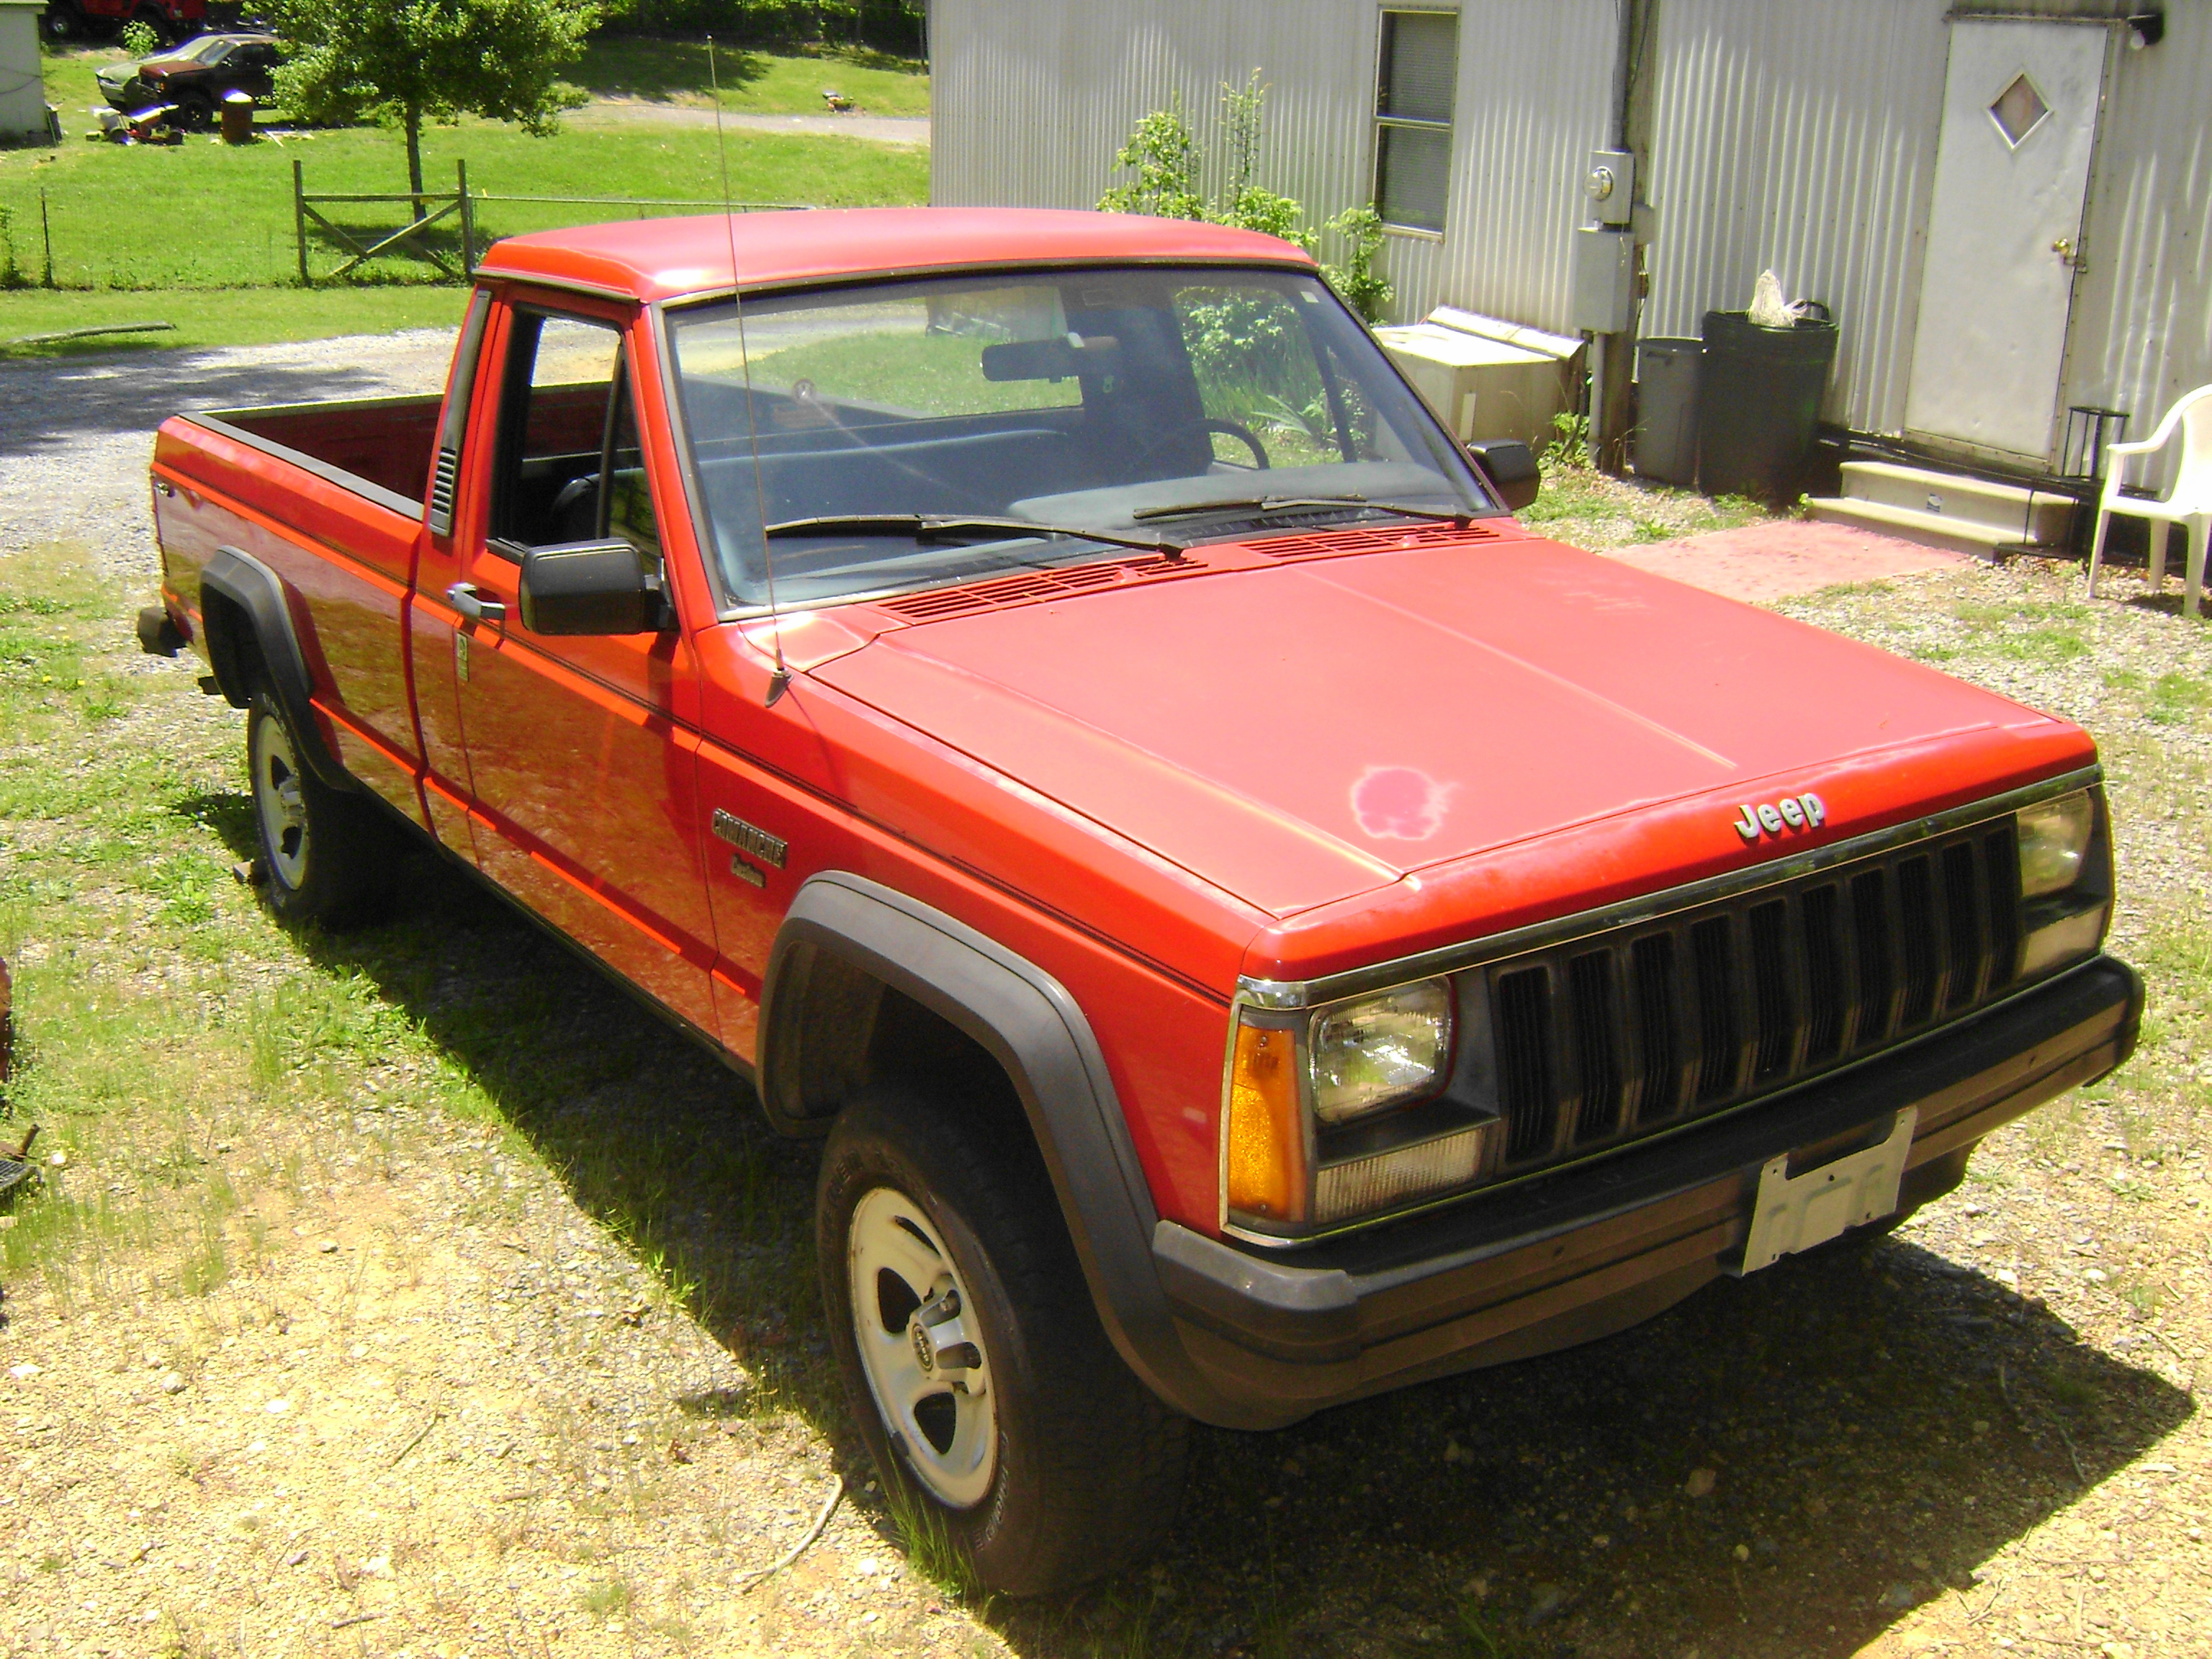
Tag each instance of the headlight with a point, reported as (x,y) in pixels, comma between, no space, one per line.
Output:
(1379,1051)
(1309,1138)
(2054,839)
(2065,882)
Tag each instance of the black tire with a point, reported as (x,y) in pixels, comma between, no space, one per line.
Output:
(64,22)
(325,857)
(1086,1465)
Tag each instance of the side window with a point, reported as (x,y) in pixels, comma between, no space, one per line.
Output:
(570,469)
(1418,70)
(627,511)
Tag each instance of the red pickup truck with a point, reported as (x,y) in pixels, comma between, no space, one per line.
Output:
(1039,694)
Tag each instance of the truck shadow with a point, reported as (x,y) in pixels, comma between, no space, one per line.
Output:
(1783,1465)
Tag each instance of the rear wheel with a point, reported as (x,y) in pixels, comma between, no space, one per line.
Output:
(326,856)
(989,1395)
(64,22)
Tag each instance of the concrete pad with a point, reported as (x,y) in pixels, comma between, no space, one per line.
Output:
(1783,557)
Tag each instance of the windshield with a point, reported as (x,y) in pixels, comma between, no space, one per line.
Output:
(209,49)
(1116,401)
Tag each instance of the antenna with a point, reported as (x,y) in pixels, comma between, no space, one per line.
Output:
(780,681)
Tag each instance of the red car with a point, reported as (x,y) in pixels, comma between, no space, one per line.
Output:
(81,19)
(1255,926)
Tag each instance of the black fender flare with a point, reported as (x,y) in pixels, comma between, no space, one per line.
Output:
(259,593)
(1027,1021)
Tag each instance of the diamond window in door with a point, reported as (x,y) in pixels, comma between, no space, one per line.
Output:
(2019,110)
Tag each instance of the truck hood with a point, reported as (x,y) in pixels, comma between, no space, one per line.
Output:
(1301,733)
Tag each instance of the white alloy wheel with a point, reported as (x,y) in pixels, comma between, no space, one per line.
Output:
(277,799)
(921,1348)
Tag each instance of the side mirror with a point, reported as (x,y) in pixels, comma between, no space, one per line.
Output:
(1511,468)
(590,587)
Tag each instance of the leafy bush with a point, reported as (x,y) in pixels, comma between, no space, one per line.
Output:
(1569,449)
(1166,157)
(138,38)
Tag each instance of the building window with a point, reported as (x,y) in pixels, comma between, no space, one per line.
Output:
(1417,68)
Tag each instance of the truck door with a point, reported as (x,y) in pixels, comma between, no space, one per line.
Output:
(582,752)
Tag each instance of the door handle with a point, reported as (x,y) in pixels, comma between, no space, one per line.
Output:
(464,598)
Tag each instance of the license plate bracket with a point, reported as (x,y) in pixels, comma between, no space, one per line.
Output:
(1796,1213)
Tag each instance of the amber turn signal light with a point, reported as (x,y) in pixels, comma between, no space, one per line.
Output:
(1266,1166)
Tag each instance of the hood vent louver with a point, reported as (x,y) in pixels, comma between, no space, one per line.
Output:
(1376,539)
(1037,587)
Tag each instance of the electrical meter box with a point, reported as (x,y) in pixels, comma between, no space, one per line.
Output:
(1484,378)
(1610,184)
(1605,279)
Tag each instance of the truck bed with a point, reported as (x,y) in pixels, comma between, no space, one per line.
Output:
(382,442)
(327,498)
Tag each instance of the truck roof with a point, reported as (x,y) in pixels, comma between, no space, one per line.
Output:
(650,259)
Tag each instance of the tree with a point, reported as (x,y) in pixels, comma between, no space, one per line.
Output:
(406,60)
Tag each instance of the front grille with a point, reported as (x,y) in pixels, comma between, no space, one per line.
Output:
(1602,1041)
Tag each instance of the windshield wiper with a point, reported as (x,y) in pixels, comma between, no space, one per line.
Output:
(959,527)
(1459,517)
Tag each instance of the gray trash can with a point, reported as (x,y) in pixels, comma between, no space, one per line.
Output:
(1667,375)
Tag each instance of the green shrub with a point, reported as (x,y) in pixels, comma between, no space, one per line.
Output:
(138,38)
(1168,161)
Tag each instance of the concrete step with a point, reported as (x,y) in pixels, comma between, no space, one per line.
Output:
(2037,517)
(1981,541)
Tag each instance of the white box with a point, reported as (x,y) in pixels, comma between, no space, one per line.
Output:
(1478,386)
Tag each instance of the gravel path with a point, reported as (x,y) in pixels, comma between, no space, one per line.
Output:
(76,433)
(879,129)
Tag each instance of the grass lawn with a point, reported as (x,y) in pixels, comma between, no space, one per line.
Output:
(147,217)
(784,82)
(222,317)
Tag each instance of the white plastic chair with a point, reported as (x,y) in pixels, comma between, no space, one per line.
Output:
(2188,503)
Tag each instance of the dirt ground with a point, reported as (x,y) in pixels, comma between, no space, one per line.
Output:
(410,1292)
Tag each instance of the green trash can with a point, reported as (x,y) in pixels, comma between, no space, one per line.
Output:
(1757,401)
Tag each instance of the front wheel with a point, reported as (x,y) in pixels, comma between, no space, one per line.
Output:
(987,1393)
(324,856)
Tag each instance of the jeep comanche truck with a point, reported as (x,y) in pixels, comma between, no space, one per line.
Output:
(1040,694)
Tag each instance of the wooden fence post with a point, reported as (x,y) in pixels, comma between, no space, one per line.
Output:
(299,222)
(468,221)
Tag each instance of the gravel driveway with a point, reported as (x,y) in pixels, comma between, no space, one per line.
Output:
(520,1356)
(76,433)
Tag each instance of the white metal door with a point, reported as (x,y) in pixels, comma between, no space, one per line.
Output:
(2012,174)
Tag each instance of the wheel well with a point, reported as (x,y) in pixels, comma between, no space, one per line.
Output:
(233,649)
(840,1028)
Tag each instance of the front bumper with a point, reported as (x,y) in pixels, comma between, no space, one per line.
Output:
(1573,1256)
(132,96)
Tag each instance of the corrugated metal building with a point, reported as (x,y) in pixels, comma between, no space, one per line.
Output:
(1802,135)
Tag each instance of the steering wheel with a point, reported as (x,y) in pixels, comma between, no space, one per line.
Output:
(1244,434)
